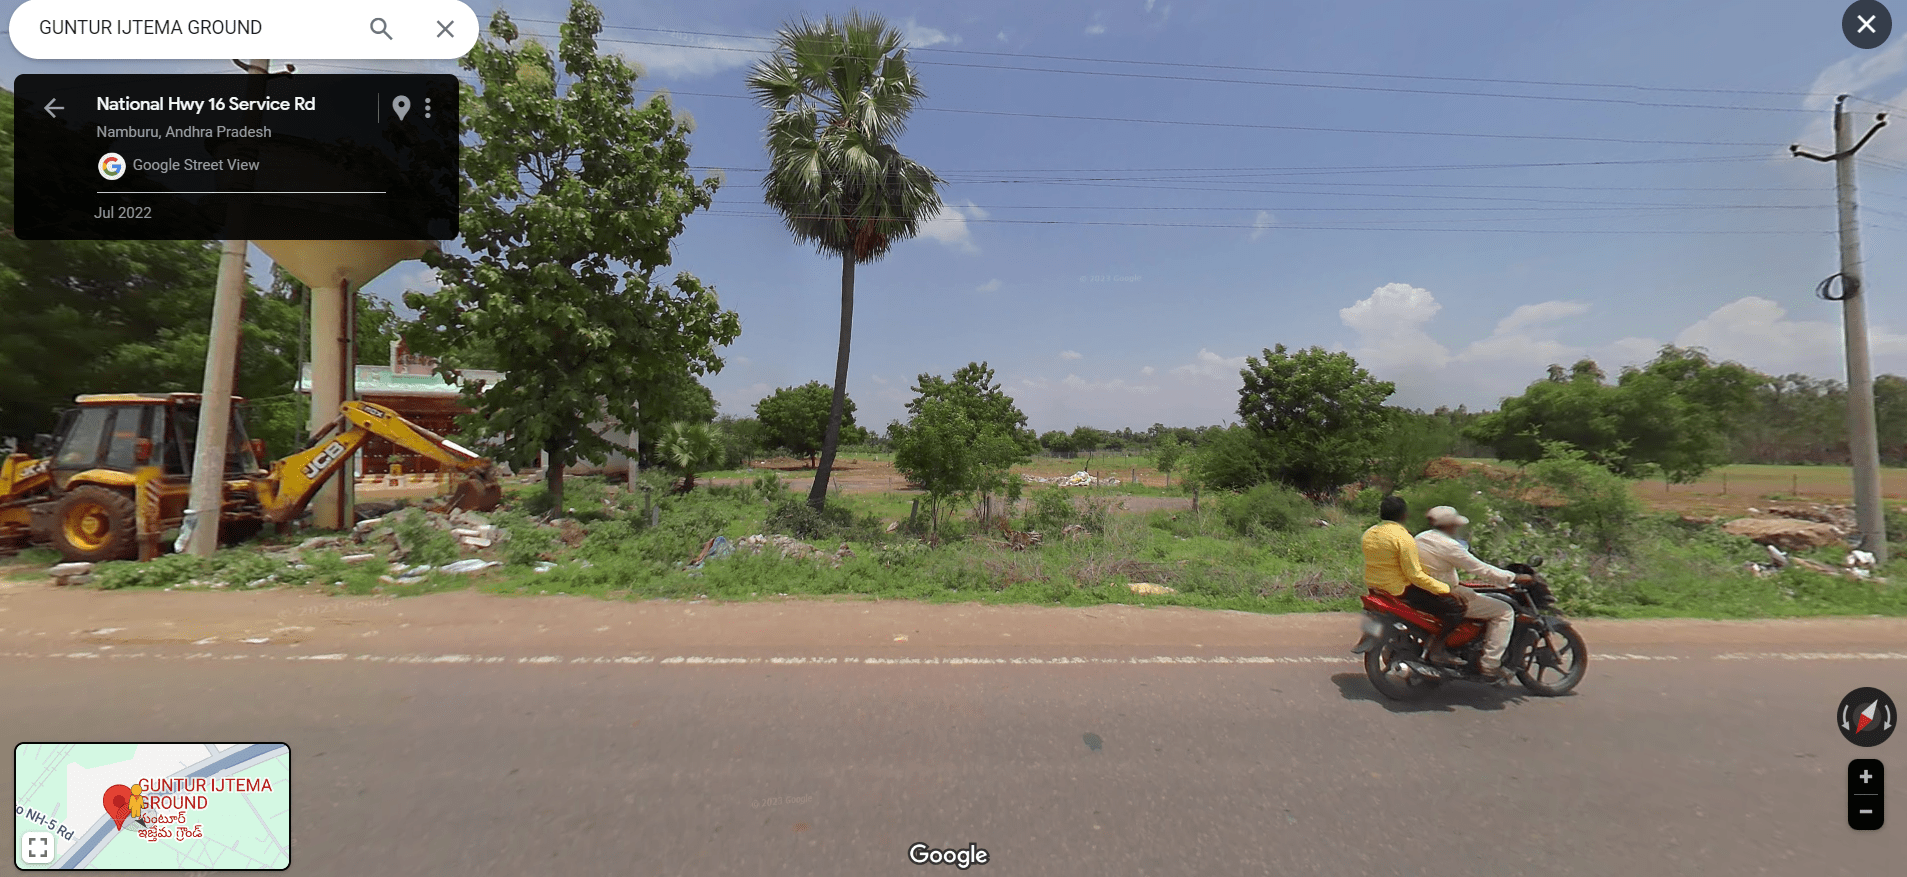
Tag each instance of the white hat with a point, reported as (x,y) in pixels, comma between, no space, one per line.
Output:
(1444,516)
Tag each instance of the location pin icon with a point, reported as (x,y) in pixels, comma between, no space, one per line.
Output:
(402,105)
(118,802)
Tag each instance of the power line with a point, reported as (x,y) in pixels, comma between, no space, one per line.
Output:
(1281,84)
(1340,227)
(1261,126)
(1245,68)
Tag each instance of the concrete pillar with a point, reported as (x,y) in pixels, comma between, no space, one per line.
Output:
(330,374)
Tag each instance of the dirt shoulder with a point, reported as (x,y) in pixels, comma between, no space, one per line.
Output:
(37,619)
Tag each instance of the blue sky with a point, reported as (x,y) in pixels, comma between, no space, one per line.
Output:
(1116,273)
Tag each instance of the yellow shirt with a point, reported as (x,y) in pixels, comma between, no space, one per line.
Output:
(1391,563)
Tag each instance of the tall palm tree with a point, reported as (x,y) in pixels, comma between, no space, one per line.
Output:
(838,94)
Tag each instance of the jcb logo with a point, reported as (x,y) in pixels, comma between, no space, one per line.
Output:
(36,468)
(325,458)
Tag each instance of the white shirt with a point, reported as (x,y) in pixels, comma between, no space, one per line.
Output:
(1443,557)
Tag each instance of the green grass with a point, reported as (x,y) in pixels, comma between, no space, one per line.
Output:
(1665,568)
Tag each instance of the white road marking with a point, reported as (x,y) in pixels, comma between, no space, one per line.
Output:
(1813,656)
(953,660)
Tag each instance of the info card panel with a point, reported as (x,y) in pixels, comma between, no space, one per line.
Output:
(236,156)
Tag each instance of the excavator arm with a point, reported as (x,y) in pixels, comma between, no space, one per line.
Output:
(294,480)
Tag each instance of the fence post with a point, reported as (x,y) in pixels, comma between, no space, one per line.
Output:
(1194,498)
(913,514)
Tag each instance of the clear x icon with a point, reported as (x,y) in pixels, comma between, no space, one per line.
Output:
(443,29)
(1867,23)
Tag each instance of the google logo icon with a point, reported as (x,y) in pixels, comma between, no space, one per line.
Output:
(111,166)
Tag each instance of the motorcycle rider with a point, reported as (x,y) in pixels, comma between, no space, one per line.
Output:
(1444,556)
(1392,565)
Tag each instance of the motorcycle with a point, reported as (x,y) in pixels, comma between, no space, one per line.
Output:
(1545,650)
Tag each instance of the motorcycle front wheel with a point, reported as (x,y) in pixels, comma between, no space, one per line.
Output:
(1377,665)
(1555,663)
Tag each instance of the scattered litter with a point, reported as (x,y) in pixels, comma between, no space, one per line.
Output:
(900,637)
(544,566)
(712,549)
(1149,588)
(357,558)
(468,565)
(1859,559)
(71,573)
(257,640)
(1081,478)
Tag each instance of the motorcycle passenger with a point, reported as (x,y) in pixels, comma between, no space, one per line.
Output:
(1392,565)
(1444,556)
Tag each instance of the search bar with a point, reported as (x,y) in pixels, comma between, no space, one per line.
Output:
(275,29)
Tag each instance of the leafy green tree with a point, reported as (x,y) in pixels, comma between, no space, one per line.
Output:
(838,93)
(964,436)
(1088,439)
(572,195)
(1677,415)
(1322,413)
(1409,444)
(1056,441)
(689,448)
(1233,458)
(1166,453)
(934,449)
(796,418)
(741,439)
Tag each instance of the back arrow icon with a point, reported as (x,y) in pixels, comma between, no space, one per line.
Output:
(53,105)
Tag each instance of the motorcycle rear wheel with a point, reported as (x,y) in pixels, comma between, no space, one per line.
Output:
(1572,659)
(1377,664)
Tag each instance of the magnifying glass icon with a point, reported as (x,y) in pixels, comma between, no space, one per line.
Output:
(381,29)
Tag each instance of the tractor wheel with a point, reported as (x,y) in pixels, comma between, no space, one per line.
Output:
(94,524)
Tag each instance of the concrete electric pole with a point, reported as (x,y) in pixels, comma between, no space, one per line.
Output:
(1862,441)
(207,499)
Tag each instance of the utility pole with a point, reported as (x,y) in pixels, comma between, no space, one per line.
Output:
(1862,440)
(206,502)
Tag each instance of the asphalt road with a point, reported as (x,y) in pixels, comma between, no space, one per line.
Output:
(1688,756)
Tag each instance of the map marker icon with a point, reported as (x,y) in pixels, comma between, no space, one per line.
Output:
(118,801)
(402,105)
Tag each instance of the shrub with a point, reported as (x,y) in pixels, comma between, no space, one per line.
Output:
(1268,508)
(793,516)
(1052,510)
(1595,501)
(1233,458)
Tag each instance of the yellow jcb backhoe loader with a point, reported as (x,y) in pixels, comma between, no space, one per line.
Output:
(120,473)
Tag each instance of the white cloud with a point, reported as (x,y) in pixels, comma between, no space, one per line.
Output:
(422,280)
(949,226)
(920,36)
(1148,371)
(1149,4)
(696,56)
(1076,384)
(989,286)
(1001,36)
(879,380)
(1758,332)
(1098,25)
(1211,366)
(1541,313)
(1069,354)
(1878,76)
(1394,344)
(1262,223)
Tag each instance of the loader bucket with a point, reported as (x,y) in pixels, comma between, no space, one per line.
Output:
(480,492)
